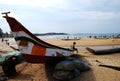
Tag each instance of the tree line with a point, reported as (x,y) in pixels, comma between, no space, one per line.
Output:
(2,34)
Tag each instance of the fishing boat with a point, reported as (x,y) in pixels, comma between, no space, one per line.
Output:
(33,49)
(103,52)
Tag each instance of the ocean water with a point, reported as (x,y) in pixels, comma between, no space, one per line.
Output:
(79,35)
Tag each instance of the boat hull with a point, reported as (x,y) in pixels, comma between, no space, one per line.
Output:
(41,59)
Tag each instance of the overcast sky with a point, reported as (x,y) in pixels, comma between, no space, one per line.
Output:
(69,16)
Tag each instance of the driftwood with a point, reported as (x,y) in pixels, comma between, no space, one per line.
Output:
(112,67)
(107,51)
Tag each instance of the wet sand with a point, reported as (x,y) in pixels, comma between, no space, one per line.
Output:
(41,72)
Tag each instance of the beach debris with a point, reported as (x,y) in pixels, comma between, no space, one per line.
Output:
(110,66)
(98,61)
(70,68)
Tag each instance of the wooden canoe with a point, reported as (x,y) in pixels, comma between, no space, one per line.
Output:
(33,49)
(105,51)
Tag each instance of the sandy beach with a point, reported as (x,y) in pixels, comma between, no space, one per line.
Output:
(85,42)
(41,72)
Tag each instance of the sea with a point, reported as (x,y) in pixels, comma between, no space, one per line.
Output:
(80,35)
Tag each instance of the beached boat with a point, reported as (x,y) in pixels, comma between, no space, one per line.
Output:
(103,52)
(33,49)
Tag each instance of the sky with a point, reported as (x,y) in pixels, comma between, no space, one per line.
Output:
(68,16)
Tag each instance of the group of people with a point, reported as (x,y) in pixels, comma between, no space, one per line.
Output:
(7,41)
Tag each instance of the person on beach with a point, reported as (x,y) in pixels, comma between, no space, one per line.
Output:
(74,48)
(2,39)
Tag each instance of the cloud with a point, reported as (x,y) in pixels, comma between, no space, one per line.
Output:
(98,15)
(85,15)
(66,4)
(32,3)
(65,9)
(64,13)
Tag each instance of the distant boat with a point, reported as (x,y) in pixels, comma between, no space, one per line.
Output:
(33,49)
